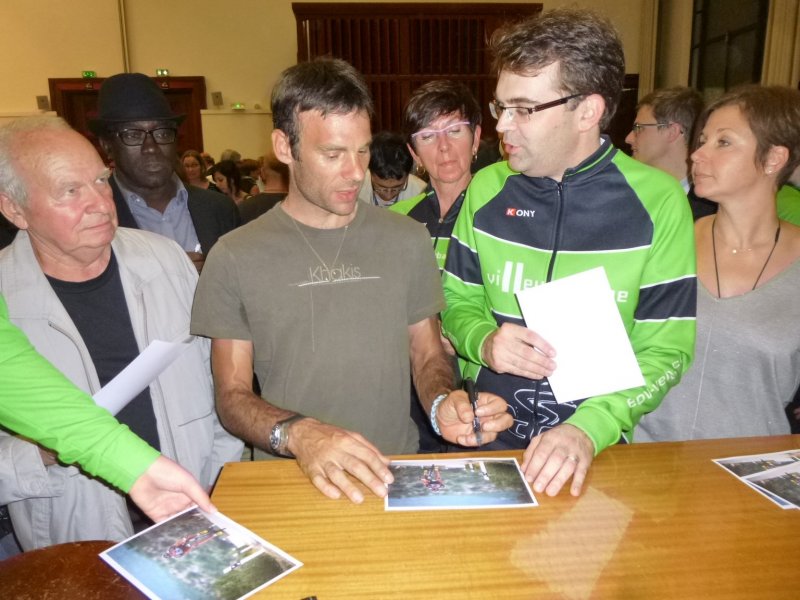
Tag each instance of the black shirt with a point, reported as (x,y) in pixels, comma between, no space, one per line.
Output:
(99,311)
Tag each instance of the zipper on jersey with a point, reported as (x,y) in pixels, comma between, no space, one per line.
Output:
(557,236)
(550,266)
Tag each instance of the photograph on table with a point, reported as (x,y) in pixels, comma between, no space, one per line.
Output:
(742,467)
(439,484)
(783,482)
(199,555)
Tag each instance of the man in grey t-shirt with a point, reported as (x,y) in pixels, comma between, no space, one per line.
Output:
(333,302)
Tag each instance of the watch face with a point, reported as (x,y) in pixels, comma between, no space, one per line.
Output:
(275,438)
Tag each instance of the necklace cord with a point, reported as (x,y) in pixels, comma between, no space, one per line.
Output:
(763,268)
(324,264)
(316,254)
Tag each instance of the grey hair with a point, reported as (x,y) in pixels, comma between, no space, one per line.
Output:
(11,183)
(231,155)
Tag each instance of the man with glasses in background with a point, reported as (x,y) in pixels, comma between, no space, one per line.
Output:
(662,133)
(566,201)
(138,131)
(389,179)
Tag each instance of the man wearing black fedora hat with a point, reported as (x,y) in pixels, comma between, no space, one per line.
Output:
(138,131)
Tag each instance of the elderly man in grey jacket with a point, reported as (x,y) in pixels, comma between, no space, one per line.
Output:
(90,297)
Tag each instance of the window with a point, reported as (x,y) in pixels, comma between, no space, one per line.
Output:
(727,44)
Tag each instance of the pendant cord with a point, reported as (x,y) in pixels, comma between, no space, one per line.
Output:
(763,268)
(324,264)
(319,258)
(714,249)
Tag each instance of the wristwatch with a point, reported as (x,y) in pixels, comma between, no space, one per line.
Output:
(279,436)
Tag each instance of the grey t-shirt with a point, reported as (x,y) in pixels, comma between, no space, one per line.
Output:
(330,340)
(746,367)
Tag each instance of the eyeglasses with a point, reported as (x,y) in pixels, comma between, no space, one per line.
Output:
(390,190)
(637,127)
(523,113)
(136,137)
(453,131)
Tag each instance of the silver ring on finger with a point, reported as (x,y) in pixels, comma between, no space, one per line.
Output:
(573,458)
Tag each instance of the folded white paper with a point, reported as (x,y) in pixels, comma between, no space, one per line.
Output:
(142,371)
(577,315)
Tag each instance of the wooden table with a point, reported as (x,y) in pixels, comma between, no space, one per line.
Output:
(654,521)
(71,570)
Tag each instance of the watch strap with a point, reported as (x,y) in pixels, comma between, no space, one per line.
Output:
(279,436)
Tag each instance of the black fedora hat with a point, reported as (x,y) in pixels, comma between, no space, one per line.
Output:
(130,97)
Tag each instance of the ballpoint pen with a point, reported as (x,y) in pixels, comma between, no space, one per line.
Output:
(472,393)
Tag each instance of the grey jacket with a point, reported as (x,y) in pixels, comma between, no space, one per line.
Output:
(51,505)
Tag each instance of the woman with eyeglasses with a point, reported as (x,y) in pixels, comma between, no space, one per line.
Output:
(195,172)
(747,353)
(442,126)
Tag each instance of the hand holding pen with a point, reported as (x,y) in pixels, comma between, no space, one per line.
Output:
(472,394)
(468,418)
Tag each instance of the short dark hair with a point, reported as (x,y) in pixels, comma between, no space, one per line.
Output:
(436,98)
(231,173)
(680,104)
(248,166)
(389,157)
(271,163)
(585,45)
(327,85)
(773,114)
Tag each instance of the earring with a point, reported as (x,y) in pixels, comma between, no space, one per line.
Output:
(420,169)
(475,156)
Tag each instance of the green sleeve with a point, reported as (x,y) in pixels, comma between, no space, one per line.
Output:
(467,320)
(403,207)
(38,402)
(663,344)
(789,204)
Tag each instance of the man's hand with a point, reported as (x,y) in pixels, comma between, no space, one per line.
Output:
(556,455)
(519,351)
(166,488)
(447,345)
(329,456)
(48,458)
(198,259)
(454,417)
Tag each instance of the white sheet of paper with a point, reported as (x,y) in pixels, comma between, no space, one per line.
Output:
(154,359)
(577,315)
